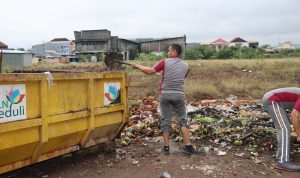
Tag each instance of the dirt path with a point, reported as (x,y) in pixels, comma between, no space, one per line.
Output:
(142,159)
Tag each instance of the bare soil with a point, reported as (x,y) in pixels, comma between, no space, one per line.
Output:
(142,158)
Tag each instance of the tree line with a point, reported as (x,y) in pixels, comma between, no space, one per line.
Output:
(208,52)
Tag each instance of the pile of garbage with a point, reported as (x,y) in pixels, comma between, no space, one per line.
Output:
(220,122)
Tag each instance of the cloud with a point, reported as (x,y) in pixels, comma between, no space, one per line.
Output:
(30,22)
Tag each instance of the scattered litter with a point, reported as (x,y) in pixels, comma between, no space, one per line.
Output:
(166,174)
(194,128)
(257,161)
(123,143)
(240,154)
(263,173)
(254,154)
(271,169)
(190,108)
(135,162)
(238,142)
(161,163)
(206,149)
(208,101)
(109,164)
(206,169)
(221,122)
(231,97)
(178,139)
(223,144)
(221,153)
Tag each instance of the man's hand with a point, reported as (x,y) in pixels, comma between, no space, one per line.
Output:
(296,122)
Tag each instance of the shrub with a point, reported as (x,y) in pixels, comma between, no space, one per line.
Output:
(150,57)
(133,53)
(192,54)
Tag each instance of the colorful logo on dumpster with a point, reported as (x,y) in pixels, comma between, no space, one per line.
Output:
(111,93)
(15,97)
(12,102)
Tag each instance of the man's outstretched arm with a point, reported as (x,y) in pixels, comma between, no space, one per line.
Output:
(145,69)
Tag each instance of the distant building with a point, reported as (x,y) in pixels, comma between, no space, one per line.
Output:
(192,45)
(219,44)
(16,59)
(288,46)
(95,41)
(239,42)
(127,45)
(3,46)
(159,45)
(253,44)
(58,47)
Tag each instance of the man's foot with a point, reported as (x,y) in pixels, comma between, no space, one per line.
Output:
(287,166)
(166,150)
(189,149)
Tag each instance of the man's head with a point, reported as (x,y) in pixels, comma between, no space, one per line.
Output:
(174,51)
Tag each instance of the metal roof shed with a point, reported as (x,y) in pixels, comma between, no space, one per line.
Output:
(16,59)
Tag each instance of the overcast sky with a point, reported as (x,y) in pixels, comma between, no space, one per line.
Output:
(25,23)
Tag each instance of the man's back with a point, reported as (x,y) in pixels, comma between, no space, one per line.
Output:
(174,71)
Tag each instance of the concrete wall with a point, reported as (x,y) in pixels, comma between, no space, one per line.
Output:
(16,60)
(92,41)
(96,34)
(77,35)
(126,45)
(88,46)
(161,45)
(114,43)
(92,35)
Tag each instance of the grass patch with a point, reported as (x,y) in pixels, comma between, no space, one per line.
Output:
(221,78)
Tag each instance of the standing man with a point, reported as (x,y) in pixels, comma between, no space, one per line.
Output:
(275,102)
(173,72)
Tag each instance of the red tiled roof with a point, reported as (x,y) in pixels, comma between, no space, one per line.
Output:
(220,40)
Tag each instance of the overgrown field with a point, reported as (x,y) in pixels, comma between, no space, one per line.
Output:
(248,79)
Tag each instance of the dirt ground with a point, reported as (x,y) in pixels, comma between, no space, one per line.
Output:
(143,159)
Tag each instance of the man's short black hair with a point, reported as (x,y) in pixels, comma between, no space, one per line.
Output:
(177,48)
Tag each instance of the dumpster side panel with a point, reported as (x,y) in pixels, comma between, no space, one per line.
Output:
(67,96)
(112,121)
(19,144)
(16,154)
(71,112)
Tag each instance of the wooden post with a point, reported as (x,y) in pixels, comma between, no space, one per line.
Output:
(1,62)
